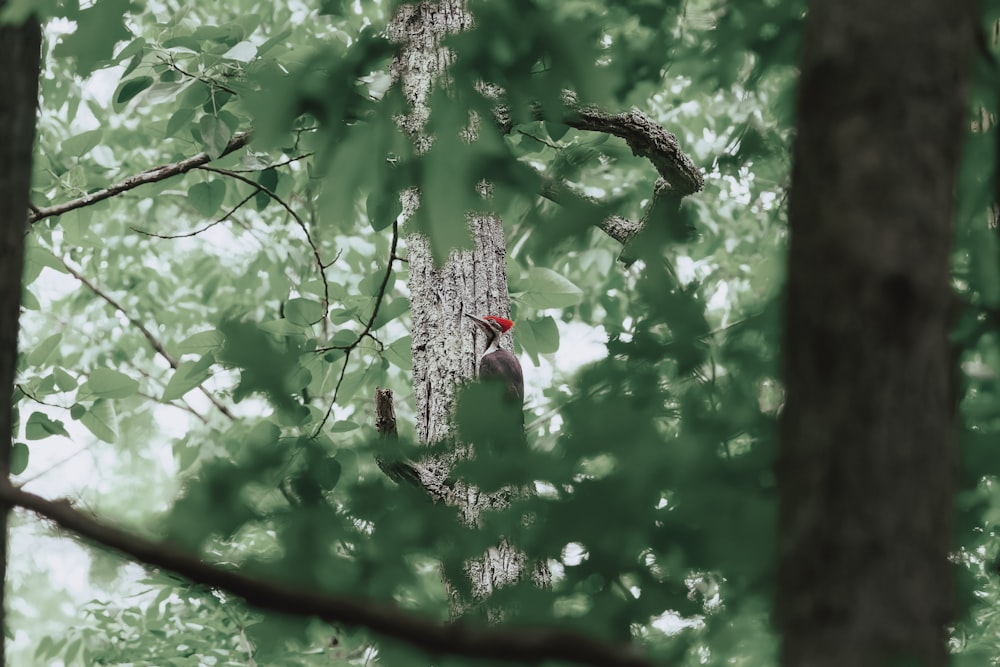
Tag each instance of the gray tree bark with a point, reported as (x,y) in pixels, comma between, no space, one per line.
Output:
(445,346)
(867,463)
(19,61)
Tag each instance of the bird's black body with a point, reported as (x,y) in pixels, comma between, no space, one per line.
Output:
(499,363)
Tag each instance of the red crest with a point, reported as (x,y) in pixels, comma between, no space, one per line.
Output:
(505,324)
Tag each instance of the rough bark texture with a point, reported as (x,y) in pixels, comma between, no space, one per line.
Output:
(446,346)
(867,464)
(18,97)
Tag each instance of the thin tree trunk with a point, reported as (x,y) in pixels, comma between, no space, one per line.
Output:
(867,464)
(471,281)
(19,60)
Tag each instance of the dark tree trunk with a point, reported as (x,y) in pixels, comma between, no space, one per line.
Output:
(19,56)
(866,471)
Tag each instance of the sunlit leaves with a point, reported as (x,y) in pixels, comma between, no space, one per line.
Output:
(100,419)
(189,374)
(81,144)
(108,383)
(544,288)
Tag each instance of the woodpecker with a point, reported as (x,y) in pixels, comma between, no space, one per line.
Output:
(497,362)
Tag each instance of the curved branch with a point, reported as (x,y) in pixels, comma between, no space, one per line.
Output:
(298,219)
(645,137)
(496,643)
(154,175)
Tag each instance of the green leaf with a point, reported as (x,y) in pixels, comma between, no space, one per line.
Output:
(98,29)
(326,472)
(400,353)
(546,334)
(102,421)
(390,310)
(18,458)
(39,426)
(282,327)
(268,179)
(182,118)
(344,427)
(544,288)
(383,209)
(81,144)
(243,51)
(303,312)
(189,374)
(206,197)
(107,383)
(201,342)
(214,134)
(44,350)
(129,89)
(64,380)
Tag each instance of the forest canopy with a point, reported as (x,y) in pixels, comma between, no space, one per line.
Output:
(220,271)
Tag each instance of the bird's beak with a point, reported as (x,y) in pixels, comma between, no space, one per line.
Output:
(481,323)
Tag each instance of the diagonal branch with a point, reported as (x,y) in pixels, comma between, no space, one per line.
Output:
(521,645)
(154,175)
(154,342)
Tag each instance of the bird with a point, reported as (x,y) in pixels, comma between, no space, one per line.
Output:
(497,362)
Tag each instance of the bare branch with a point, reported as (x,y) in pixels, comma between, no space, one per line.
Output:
(154,175)
(298,219)
(154,342)
(207,227)
(368,327)
(520,644)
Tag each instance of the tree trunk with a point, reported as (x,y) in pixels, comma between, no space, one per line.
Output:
(471,281)
(867,464)
(19,60)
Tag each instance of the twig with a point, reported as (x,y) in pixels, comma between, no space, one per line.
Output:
(336,390)
(368,327)
(301,223)
(154,342)
(197,231)
(515,644)
(211,83)
(154,175)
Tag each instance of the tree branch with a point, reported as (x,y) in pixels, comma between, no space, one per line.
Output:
(496,643)
(368,327)
(298,219)
(644,136)
(154,342)
(154,175)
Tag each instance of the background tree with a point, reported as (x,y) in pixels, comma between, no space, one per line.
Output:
(867,466)
(206,320)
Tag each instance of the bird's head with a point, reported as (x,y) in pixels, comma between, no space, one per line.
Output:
(492,325)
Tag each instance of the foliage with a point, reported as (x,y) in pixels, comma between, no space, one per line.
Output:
(269,282)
